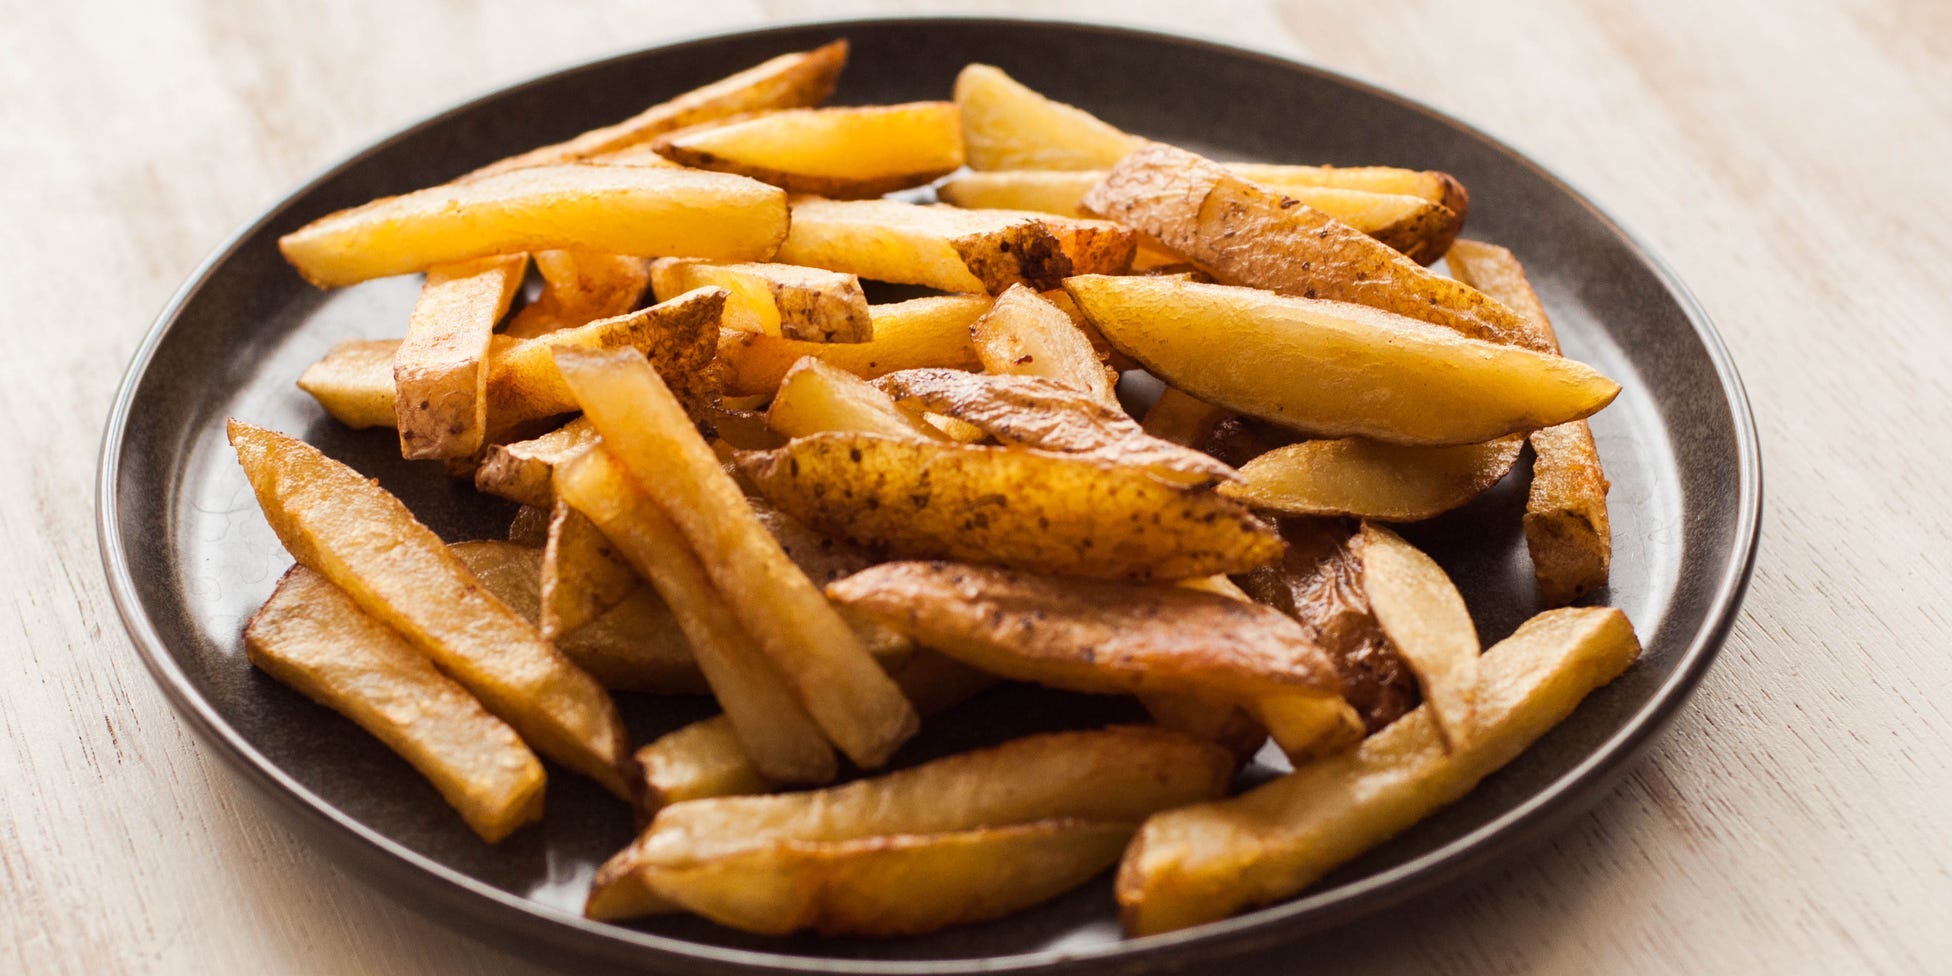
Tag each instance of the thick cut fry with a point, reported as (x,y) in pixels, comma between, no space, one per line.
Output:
(905,884)
(580,287)
(312,636)
(1023,334)
(1006,125)
(583,575)
(1028,411)
(520,471)
(932,331)
(1353,476)
(643,211)
(830,673)
(362,539)
(782,300)
(440,371)
(1437,187)
(1308,726)
(1090,635)
(1243,233)
(845,153)
(1566,525)
(1420,229)
(951,249)
(354,382)
(796,80)
(1202,863)
(816,397)
(634,646)
(1033,510)
(1424,617)
(1182,418)
(1333,368)
(784,742)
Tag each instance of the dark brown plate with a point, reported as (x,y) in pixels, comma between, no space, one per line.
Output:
(188,556)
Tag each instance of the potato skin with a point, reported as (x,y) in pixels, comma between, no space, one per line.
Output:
(1035,510)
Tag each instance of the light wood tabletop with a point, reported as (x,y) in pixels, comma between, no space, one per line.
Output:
(1787,158)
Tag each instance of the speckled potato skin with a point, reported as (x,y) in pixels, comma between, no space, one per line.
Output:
(1036,510)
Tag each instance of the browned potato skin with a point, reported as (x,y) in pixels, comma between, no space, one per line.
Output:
(1367,479)
(583,575)
(520,471)
(361,538)
(1567,528)
(1026,334)
(788,81)
(311,636)
(441,368)
(1034,510)
(1245,234)
(949,248)
(1092,635)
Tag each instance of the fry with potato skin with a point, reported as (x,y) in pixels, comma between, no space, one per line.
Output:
(1424,617)
(1365,479)
(362,539)
(931,331)
(1024,334)
(822,660)
(311,636)
(520,471)
(583,575)
(1202,863)
(580,287)
(949,248)
(842,153)
(440,371)
(784,300)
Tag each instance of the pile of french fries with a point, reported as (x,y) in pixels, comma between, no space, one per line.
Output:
(741,477)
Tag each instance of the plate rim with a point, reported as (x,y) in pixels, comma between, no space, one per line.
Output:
(1568,794)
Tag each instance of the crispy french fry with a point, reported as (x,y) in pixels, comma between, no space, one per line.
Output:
(1566,525)
(579,287)
(844,153)
(1204,862)
(782,300)
(521,470)
(644,211)
(312,636)
(362,539)
(1023,334)
(1308,726)
(932,331)
(1388,482)
(821,659)
(440,371)
(1424,617)
(583,575)
(949,248)
(816,397)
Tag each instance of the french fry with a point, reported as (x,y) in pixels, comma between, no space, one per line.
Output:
(782,300)
(1424,617)
(579,287)
(352,532)
(1023,334)
(843,153)
(520,471)
(1204,862)
(1567,529)
(816,397)
(831,674)
(643,211)
(1182,418)
(354,382)
(311,636)
(1362,478)
(440,371)
(583,575)
(932,331)
(952,249)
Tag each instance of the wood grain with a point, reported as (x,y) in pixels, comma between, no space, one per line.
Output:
(1793,819)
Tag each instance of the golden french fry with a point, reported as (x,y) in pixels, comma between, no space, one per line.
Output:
(1425,619)
(782,300)
(583,575)
(362,539)
(816,397)
(1005,125)
(949,248)
(354,382)
(312,636)
(822,660)
(521,470)
(579,287)
(1204,862)
(1023,334)
(931,331)
(844,153)
(1182,419)
(1308,726)
(440,371)
(1388,482)
(1218,721)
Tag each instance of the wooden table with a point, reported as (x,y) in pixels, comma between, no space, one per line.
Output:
(1788,158)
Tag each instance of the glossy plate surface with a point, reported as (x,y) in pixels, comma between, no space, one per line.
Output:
(189,557)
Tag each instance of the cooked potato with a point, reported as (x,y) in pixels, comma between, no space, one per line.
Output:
(1308,726)
(583,575)
(644,211)
(1220,722)
(1023,334)
(1419,228)
(352,532)
(520,471)
(440,371)
(1566,524)
(312,636)
(1354,476)
(1182,419)
(932,331)
(789,81)
(1029,411)
(1437,187)
(1334,368)
(354,382)
(1005,125)
(1033,510)
(822,660)
(579,287)
(844,153)
(1243,233)
(951,249)
(816,397)
(1424,617)
(1092,635)
(905,884)
(783,300)
(1202,863)
(783,741)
